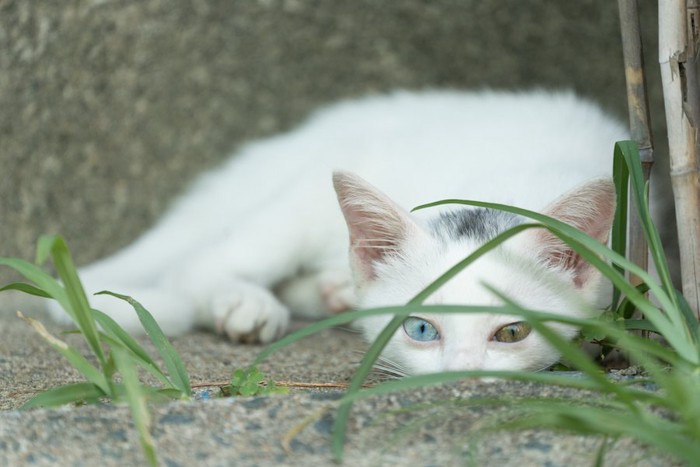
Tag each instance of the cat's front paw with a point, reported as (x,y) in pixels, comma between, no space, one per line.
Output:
(249,313)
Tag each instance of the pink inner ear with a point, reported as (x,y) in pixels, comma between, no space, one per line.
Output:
(589,208)
(369,243)
(376,224)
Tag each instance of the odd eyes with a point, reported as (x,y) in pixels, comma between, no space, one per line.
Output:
(420,330)
(513,332)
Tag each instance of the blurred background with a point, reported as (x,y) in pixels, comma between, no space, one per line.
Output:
(109,108)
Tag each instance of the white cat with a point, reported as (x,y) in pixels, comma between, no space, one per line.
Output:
(268,219)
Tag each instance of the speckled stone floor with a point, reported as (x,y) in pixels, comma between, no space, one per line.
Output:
(442,425)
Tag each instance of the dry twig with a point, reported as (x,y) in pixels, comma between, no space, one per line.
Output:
(679,42)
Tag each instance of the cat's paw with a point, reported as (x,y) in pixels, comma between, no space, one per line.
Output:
(249,313)
(337,290)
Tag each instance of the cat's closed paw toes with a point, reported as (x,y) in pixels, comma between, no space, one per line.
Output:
(249,314)
(337,291)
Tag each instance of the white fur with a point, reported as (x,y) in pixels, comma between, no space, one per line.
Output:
(269,215)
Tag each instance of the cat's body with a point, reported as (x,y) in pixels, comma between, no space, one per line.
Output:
(269,216)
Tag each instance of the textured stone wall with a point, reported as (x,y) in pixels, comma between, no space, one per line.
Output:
(108,108)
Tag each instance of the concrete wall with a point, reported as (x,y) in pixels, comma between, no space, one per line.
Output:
(109,108)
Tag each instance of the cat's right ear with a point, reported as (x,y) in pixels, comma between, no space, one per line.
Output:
(378,226)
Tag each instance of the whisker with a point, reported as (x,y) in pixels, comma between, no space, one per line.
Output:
(391,368)
(386,367)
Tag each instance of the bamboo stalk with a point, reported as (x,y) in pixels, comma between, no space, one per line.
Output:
(640,121)
(679,24)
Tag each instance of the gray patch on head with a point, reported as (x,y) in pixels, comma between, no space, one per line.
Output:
(480,224)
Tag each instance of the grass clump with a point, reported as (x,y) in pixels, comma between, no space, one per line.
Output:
(118,356)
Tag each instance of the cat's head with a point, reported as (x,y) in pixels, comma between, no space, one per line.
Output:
(394,256)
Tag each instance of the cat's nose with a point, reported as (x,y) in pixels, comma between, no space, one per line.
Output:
(464,361)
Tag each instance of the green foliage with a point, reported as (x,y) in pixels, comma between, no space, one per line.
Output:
(251,382)
(115,351)
(668,419)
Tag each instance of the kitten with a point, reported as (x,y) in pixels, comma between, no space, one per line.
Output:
(268,220)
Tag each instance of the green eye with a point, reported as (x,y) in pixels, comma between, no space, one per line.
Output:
(420,330)
(513,332)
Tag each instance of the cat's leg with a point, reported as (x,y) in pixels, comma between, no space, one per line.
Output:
(244,311)
(172,311)
(230,298)
(318,294)
(230,281)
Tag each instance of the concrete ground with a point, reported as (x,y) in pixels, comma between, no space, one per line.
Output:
(435,426)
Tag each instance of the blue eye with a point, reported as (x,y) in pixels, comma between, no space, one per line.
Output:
(420,330)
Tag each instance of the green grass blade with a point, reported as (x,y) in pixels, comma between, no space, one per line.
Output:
(666,324)
(26,288)
(600,455)
(147,365)
(626,308)
(166,394)
(618,239)
(136,398)
(649,353)
(629,152)
(80,363)
(118,336)
(687,313)
(77,299)
(69,394)
(44,248)
(41,279)
(343,413)
(173,363)
(639,325)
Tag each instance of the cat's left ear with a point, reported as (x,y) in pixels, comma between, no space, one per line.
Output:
(378,226)
(591,209)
